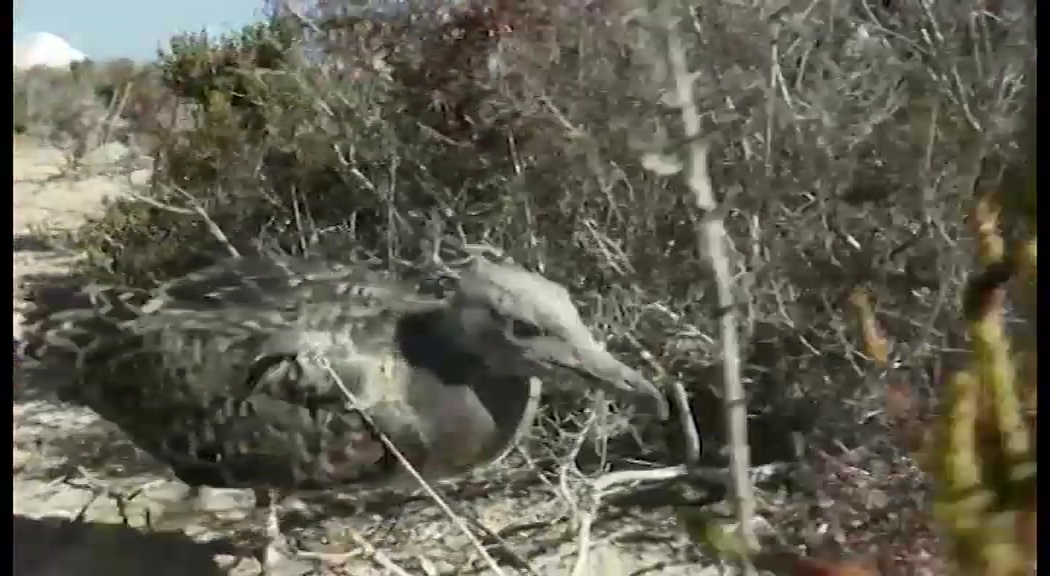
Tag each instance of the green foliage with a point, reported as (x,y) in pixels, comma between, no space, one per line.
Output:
(984,457)
(839,168)
(529,140)
(225,71)
(92,103)
(276,147)
(43,98)
(130,237)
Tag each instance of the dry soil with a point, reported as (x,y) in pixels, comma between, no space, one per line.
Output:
(66,459)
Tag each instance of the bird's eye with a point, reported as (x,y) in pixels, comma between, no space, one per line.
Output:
(523,329)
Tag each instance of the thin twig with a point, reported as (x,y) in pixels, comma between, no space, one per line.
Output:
(376,555)
(196,210)
(583,540)
(680,400)
(461,525)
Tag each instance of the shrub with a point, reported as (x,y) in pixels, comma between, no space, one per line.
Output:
(845,142)
(90,104)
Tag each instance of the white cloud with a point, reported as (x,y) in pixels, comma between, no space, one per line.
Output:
(45,49)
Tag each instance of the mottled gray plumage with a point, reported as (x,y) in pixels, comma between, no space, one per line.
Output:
(228,374)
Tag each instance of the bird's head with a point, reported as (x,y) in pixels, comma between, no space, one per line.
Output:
(521,323)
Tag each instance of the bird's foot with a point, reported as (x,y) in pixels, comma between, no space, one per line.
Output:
(98,487)
(276,548)
(274,552)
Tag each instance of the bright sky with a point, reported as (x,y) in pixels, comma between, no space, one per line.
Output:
(105,29)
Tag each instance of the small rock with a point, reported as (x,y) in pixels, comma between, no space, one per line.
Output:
(219,499)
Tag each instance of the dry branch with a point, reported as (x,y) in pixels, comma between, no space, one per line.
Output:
(712,240)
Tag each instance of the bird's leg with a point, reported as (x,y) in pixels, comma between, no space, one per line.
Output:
(179,514)
(269,555)
(88,481)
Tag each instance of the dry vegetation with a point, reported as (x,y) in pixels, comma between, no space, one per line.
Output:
(796,175)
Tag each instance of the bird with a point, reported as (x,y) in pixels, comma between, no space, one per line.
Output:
(279,374)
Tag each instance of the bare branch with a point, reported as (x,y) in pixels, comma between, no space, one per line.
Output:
(712,239)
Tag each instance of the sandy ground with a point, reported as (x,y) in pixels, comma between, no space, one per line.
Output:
(63,454)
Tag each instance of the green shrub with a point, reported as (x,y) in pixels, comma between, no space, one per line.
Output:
(281,152)
(840,168)
(45,98)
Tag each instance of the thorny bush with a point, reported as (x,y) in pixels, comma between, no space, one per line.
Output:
(849,136)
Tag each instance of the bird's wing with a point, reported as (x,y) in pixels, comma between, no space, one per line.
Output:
(263,373)
(281,284)
(220,397)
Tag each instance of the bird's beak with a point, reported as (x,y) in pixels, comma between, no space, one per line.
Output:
(600,368)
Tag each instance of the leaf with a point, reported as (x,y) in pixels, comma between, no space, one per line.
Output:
(876,345)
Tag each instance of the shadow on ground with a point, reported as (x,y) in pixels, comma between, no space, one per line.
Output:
(96,446)
(45,293)
(73,437)
(59,547)
(31,243)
